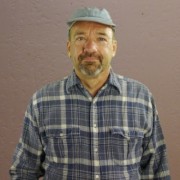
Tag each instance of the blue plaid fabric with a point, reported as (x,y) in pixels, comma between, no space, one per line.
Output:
(69,135)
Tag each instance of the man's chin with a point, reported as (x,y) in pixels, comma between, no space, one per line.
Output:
(91,73)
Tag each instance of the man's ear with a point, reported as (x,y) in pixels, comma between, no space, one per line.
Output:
(68,49)
(114,47)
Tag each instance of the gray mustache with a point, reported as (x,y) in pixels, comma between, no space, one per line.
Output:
(85,55)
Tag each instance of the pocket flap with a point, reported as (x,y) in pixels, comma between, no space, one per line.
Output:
(127,134)
(63,132)
(136,134)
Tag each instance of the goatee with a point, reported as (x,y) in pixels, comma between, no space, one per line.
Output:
(91,69)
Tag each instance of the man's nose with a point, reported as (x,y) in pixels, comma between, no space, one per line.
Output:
(90,46)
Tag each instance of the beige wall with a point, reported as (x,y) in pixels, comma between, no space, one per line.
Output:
(33,53)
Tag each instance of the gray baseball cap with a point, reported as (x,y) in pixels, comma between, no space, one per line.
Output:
(101,16)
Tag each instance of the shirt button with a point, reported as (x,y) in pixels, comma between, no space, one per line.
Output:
(97,176)
(95,125)
(96,150)
(61,134)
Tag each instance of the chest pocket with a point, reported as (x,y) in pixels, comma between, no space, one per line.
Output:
(62,144)
(126,146)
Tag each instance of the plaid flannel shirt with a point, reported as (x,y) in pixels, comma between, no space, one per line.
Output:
(70,135)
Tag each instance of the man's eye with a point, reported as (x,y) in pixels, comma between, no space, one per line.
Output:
(101,39)
(80,38)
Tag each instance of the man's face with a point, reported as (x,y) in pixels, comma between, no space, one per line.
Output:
(91,47)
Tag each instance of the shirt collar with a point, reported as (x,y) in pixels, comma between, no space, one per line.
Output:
(113,80)
(72,80)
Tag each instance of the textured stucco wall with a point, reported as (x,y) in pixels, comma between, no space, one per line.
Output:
(33,53)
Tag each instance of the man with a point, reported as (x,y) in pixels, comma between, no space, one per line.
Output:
(93,124)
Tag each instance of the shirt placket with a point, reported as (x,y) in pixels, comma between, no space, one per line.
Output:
(94,139)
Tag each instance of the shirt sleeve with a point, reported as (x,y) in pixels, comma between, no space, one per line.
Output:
(154,164)
(29,154)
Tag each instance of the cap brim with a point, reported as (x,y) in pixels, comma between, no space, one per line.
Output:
(91,19)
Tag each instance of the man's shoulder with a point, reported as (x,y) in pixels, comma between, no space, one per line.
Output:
(53,88)
(130,84)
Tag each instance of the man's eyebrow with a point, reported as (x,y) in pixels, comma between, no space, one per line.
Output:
(79,33)
(102,33)
(82,33)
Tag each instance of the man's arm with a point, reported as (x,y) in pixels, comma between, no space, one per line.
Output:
(28,154)
(154,163)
